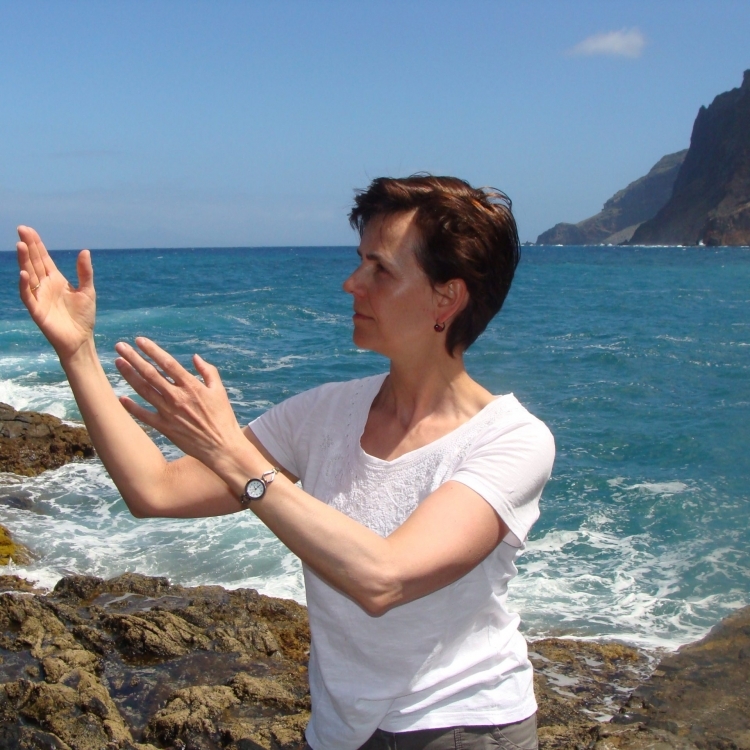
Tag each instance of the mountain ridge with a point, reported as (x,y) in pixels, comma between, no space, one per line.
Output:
(624,212)
(710,202)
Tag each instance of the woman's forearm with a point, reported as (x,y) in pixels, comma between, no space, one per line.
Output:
(449,533)
(131,458)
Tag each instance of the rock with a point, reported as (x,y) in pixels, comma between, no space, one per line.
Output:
(10,550)
(136,663)
(700,695)
(31,442)
(710,203)
(20,500)
(15,583)
(579,685)
(624,212)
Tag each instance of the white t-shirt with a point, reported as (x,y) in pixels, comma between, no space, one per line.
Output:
(454,657)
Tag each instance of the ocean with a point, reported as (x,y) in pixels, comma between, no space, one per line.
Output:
(638,359)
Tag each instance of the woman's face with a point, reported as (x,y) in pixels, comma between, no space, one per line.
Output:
(394,302)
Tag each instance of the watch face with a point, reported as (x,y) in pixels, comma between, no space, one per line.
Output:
(255,489)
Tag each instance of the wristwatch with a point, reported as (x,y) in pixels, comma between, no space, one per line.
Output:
(256,488)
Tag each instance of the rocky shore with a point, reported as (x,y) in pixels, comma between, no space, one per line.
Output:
(136,663)
(31,443)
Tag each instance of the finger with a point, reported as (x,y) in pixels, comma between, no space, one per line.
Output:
(168,364)
(37,251)
(44,256)
(25,264)
(139,385)
(142,376)
(85,270)
(141,413)
(27,296)
(208,372)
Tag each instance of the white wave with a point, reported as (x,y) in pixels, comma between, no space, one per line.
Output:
(553,541)
(32,391)
(50,398)
(592,582)
(660,488)
(78,524)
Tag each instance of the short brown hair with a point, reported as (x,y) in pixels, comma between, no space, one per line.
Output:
(467,233)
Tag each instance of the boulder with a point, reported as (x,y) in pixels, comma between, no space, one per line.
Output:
(31,443)
(10,550)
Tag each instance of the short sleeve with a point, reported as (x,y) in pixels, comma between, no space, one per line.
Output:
(508,465)
(280,428)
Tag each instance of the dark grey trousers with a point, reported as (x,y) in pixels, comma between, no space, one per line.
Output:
(518,736)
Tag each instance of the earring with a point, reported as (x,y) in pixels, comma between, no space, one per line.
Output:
(439,327)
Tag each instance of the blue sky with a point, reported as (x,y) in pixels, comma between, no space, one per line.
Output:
(171,124)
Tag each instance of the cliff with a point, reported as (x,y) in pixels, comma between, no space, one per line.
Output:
(624,211)
(710,202)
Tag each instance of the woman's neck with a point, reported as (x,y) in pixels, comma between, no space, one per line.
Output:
(443,391)
(414,408)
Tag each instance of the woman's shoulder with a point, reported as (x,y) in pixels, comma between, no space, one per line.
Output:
(334,395)
(508,419)
(337,389)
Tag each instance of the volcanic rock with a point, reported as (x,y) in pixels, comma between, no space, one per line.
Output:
(698,696)
(710,203)
(623,213)
(11,550)
(136,663)
(31,442)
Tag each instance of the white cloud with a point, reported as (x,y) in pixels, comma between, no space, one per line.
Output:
(622,43)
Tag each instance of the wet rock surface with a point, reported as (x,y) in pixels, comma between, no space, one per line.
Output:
(135,663)
(12,550)
(580,685)
(697,697)
(31,443)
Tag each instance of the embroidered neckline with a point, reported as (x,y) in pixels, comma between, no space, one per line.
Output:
(365,403)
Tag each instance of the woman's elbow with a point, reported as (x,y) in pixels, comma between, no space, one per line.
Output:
(380,595)
(141,507)
(375,607)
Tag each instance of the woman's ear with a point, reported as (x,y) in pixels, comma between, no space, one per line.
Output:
(451,298)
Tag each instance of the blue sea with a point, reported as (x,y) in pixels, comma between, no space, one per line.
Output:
(637,358)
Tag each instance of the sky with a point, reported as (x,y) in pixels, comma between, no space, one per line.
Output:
(212,124)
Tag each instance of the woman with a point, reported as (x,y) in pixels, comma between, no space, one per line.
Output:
(420,486)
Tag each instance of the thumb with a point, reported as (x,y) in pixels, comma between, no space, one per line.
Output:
(85,271)
(207,371)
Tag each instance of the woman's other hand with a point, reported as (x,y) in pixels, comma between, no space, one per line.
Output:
(64,314)
(196,416)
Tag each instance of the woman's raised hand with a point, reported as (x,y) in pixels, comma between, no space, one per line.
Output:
(64,314)
(196,416)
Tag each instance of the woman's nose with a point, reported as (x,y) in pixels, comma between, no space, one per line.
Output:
(350,285)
